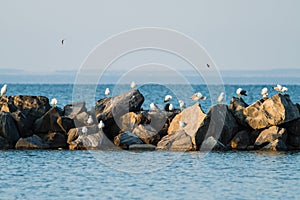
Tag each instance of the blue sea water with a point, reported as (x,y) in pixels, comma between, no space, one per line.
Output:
(147,175)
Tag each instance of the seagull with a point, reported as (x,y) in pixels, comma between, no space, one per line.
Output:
(107,92)
(284,89)
(153,107)
(171,107)
(221,97)
(278,88)
(53,102)
(3,90)
(84,130)
(101,124)
(208,65)
(264,92)
(62,41)
(132,85)
(198,96)
(181,104)
(90,120)
(182,124)
(240,92)
(167,98)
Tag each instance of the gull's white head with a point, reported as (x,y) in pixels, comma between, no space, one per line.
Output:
(53,102)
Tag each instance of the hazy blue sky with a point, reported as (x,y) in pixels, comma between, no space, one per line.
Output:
(238,34)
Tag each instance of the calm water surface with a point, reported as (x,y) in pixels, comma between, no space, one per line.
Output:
(147,175)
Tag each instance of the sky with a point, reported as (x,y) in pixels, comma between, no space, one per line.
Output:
(237,34)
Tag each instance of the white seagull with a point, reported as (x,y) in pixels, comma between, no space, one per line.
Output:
(284,89)
(132,85)
(171,107)
(221,97)
(240,92)
(167,98)
(101,124)
(198,96)
(107,92)
(84,130)
(182,124)
(90,120)
(3,90)
(181,104)
(264,92)
(53,102)
(153,107)
(278,88)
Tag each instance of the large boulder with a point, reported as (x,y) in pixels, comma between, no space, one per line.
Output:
(193,117)
(293,141)
(4,143)
(241,140)
(73,109)
(8,129)
(179,141)
(237,106)
(48,122)
(110,110)
(124,140)
(74,133)
(33,142)
(96,140)
(65,123)
(274,111)
(219,123)
(269,135)
(147,134)
(24,125)
(56,140)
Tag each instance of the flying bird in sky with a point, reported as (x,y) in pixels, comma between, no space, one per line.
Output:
(62,41)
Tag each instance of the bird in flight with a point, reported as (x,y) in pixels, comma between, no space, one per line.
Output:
(62,41)
(208,65)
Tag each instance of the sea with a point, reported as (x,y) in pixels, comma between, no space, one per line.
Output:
(64,174)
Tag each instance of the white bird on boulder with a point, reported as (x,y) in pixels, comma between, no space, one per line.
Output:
(182,124)
(154,107)
(198,96)
(90,120)
(264,92)
(171,107)
(101,124)
(284,89)
(84,130)
(53,102)
(181,104)
(167,98)
(240,92)
(107,92)
(3,90)
(221,97)
(278,88)
(132,85)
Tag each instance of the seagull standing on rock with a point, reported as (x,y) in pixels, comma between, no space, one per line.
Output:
(107,92)
(101,124)
(84,130)
(221,97)
(280,88)
(167,98)
(132,85)
(198,96)
(182,124)
(240,92)
(90,120)
(3,90)
(153,107)
(264,93)
(53,102)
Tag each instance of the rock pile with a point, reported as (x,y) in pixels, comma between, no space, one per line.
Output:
(29,122)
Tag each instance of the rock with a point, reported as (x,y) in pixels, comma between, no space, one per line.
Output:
(129,121)
(293,127)
(126,139)
(110,110)
(81,119)
(241,140)
(142,147)
(93,141)
(75,132)
(33,142)
(4,143)
(237,106)
(24,125)
(193,116)
(8,129)
(72,110)
(147,134)
(48,122)
(56,140)
(179,141)
(269,135)
(276,145)
(294,141)
(272,112)
(65,123)
(212,144)
(219,123)
(33,107)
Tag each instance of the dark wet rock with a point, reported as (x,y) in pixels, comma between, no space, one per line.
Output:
(274,111)
(72,110)
(93,141)
(142,147)
(275,145)
(193,117)
(237,106)
(24,125)
(241,140)
(293,141)
(269,135)
(4,143)
(56,140)
(33,142)
(124,140)
(219,123)
(211,143)
(65,123)
(179,141)
(8,129)
(293,127)
(48,122)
